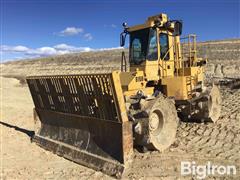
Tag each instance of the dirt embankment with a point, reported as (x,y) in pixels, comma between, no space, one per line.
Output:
(223,61)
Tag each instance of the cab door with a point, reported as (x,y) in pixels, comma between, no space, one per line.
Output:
(152,65)
(166,53)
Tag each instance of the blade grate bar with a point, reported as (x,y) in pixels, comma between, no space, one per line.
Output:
(85,95)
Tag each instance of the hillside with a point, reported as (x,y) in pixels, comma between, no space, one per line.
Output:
(223,60)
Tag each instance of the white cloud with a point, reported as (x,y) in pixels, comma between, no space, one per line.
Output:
(108,49)
(84,49)
(58,49)
(43,51)
(69,48)
(88,36)
(110,26)
(13,48)
(71,31)
(63,47)
(113,26)
(20,49)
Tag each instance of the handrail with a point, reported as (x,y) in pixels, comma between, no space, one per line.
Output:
(191,49)
(167,52)
(163,59)
(180,56)
(123,62)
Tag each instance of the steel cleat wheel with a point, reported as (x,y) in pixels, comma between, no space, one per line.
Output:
(163,122)
(214,104)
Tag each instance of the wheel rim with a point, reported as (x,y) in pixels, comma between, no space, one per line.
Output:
(214,104)
(156,122)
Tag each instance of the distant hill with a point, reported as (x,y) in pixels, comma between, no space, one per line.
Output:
(220,54)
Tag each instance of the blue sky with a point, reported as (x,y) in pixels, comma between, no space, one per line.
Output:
(33,28)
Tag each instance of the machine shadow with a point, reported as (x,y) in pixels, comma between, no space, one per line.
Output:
(25,131)
(193,120)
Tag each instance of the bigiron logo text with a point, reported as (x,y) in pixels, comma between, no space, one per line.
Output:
(208,169)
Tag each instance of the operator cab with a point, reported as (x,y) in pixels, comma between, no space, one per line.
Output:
(151,43)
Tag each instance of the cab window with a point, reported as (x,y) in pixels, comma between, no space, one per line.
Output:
(164,46)
(152,45)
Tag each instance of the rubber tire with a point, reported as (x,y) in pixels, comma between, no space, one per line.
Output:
(164,137)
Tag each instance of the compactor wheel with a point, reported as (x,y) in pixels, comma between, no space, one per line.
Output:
(214,104)
(162,124)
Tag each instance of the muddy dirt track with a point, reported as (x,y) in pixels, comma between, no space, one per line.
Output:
(21,159)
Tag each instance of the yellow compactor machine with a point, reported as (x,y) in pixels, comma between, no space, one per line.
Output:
(96,119)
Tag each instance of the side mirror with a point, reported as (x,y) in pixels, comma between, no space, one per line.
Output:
(122,38)
(177,28)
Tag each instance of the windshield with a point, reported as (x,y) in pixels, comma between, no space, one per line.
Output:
(143,45)
(138,45)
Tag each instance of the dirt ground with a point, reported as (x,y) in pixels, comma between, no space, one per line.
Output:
(21,159)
